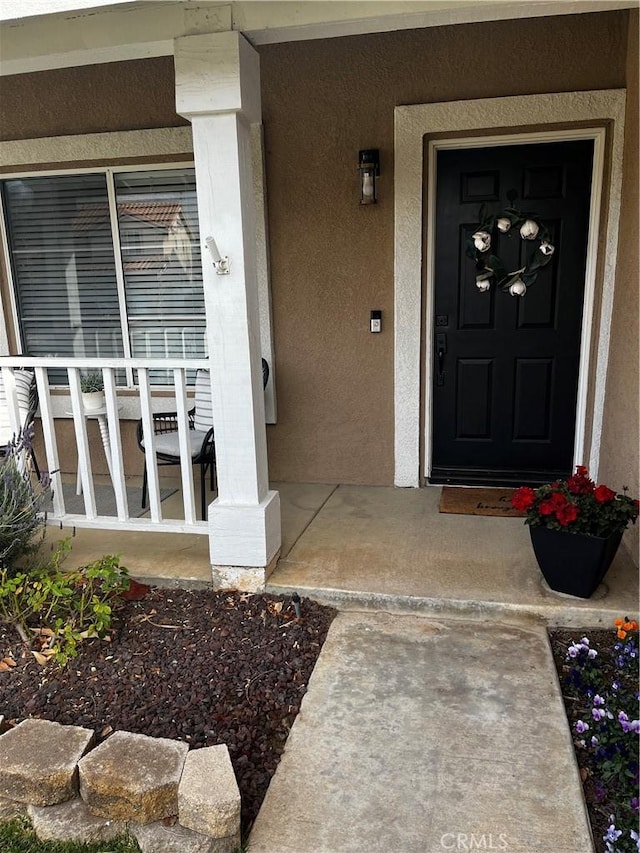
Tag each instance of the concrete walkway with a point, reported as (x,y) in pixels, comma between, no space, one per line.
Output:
(420,735)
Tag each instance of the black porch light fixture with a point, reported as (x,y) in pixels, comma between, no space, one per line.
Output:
(369,168)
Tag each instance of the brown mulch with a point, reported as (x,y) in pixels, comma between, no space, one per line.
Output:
(198,666)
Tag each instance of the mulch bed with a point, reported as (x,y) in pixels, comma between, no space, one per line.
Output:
(198,666)
(603,641)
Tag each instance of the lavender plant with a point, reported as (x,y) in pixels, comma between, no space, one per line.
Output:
(608,730)
(21,502)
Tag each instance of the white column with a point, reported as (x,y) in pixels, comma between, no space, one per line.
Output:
(218,90)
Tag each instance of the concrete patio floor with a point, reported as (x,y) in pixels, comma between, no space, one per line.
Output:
(382,548)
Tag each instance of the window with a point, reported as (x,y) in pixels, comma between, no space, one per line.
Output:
(107,263)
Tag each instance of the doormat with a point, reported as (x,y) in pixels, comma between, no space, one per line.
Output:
(478,501)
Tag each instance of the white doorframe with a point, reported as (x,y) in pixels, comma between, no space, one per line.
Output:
(536,117)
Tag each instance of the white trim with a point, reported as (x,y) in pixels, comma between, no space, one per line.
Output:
(95,56)
(142,525)
(589,312)
(262,269)
(597,135)
(95,170)
(412,125)
(156,142)
(261,27)
(119,268)
(150,144)
(148,29)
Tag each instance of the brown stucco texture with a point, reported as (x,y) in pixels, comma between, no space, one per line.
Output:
(68,453)
(332,259)
(89,99)
(619,461)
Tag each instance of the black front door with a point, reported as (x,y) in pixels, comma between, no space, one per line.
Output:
(505,378)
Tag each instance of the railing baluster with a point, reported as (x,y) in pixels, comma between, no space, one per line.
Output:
(186,466)
(50,443)
(55,407)
(82,442)
(115,444)
(11,396)
(149,445)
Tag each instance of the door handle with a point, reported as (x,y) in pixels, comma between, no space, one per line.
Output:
(441,350)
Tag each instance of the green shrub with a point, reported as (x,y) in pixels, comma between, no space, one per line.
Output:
(61,608)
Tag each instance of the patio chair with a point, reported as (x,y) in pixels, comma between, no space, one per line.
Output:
(27,393)
(165,427)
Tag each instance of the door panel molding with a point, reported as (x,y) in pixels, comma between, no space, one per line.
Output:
(596,115)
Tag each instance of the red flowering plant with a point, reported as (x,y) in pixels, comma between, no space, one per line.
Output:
(576,505)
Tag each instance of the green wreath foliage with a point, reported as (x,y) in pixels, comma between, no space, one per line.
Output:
(490,267)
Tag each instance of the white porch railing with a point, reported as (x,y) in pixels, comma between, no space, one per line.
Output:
(111,436)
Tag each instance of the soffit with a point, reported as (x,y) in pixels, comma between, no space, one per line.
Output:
(88,35)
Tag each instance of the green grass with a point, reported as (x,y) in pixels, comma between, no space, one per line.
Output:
(17,836)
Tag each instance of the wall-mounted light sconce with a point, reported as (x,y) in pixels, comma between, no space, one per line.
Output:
(222,264)
(369,167)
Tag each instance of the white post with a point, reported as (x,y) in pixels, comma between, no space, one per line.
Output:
(218,90)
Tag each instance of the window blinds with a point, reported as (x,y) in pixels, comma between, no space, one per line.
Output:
(68,277)
(63,265)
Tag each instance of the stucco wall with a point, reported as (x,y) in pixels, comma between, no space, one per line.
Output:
(89,99)
(620,439)
(331,259)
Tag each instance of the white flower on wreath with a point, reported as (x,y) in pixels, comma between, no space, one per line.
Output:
(504,224)
(482,241)
(529,229)
(518,287)
(483,280)
(547,248)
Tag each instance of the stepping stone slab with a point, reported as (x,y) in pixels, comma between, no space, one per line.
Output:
(158,838)
(133,777)
(208,796)
(72,821)
(9,809)
(38,762)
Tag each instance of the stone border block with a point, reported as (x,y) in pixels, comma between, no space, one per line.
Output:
(38,761)
(208,795)
(133,777)
(159,838)
(72,821)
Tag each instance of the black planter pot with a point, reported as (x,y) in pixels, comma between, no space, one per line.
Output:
(573,563)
